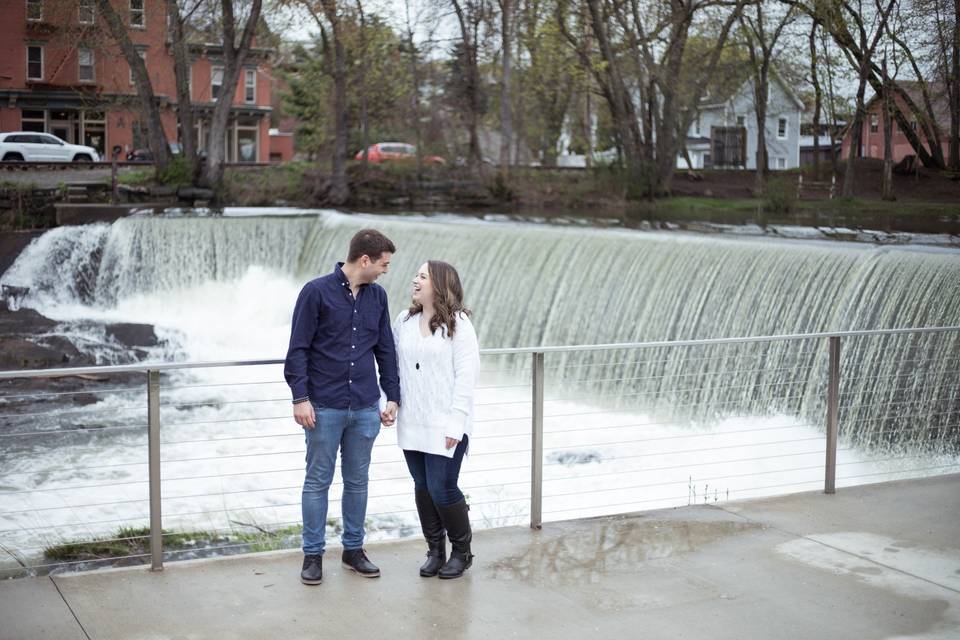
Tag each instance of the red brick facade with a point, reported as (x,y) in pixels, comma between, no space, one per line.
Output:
(62,73)
(872,138)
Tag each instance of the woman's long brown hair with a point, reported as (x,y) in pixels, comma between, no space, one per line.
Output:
(447,297)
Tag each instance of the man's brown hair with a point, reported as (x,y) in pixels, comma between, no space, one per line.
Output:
(371,243)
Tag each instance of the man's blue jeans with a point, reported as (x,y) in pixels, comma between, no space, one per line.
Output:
(353,432)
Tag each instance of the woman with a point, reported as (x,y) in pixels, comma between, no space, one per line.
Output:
(439,361)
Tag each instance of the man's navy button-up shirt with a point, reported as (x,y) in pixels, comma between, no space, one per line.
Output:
(334,341)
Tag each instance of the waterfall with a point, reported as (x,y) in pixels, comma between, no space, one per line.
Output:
(535,285)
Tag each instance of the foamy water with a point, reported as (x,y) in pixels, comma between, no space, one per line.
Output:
(233,456)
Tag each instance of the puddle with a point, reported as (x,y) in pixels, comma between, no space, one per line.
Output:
(617,546)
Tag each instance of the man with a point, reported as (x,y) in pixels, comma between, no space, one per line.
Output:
(340,326)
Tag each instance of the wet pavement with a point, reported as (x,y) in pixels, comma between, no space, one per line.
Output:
(877,561)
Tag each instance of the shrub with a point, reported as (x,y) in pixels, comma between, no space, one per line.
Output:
(781,196)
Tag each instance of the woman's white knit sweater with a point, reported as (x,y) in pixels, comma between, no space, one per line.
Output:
(437,377)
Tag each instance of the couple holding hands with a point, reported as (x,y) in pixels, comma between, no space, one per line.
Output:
(341,337)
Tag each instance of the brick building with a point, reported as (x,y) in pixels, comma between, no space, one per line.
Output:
(872,137)
(60,72)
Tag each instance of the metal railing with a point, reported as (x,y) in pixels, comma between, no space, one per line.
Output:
(647,386)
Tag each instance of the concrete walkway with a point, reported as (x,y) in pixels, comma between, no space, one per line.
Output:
(879,561)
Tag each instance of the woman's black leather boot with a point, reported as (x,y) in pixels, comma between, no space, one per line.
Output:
(456,518)
(433,532)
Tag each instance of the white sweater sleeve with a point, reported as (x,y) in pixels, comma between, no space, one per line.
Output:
(396,328)
(466,370)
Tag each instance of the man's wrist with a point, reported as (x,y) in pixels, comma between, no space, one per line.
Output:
(301,400)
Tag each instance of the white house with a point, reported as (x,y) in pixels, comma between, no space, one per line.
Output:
(724,133)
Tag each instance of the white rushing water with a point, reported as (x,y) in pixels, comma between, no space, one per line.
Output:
(624,430)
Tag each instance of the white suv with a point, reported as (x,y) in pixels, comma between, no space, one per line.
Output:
(31,146)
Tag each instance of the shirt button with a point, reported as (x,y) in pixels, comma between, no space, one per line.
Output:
(351,364)
(353,346)
(354,328)
(349,381)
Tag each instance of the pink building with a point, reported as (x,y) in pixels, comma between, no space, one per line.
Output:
(872,140)
(60,72)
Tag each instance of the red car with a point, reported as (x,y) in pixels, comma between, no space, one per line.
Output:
(395,151)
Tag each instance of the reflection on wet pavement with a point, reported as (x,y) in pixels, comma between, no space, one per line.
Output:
(616,546)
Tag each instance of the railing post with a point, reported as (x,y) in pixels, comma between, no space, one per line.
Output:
(153,442)
(833,400)
(536,465)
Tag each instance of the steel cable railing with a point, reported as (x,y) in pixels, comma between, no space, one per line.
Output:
(214,465)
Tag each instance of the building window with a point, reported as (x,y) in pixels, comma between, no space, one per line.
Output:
(874,123)
(85,65)
(250,86)
(741,121)
(247,133)
(216,81)
(137,18)
(696,126)
(781,128)
(33,120)
(34,62)
(88,13)
(143,56)
(781,163)
(34,10)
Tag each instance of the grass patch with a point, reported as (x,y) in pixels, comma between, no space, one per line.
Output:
(130,542)
(136,177)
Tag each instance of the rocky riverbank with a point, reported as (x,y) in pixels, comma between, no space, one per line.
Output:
(28,340)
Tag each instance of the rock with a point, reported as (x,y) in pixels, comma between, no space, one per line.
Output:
(23,322)
(17,353)
(132,335)
(194,193)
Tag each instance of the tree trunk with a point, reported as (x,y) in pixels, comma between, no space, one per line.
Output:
(506,120)
(760,180)
(156,139)
(415,94)
(817,101)
(954,150)
(339,187)
(181,68)
(364,116)
(588,122)
(234,58)
(849,175)
(886,184)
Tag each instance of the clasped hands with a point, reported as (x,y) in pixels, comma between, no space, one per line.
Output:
(306,417)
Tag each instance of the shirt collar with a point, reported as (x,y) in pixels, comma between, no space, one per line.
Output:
(342,277)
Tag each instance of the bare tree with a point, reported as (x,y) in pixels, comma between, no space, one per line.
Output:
(650,108)
(234,54)
(156,139)
(471,15)
(817,100)
(859,50)
(886,184)
(761,41)
(838,18)
(327,15)
(179,21)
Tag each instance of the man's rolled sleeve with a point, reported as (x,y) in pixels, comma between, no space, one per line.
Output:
(306,315)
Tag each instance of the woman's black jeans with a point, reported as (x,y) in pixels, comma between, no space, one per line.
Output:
(438,474)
